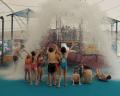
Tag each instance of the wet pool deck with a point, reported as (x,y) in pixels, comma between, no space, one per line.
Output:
(96,88)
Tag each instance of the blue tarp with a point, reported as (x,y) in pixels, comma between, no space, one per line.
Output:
(24,13)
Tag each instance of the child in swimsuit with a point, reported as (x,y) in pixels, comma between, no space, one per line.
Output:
(63,64)
(101,76)
(76,77)
(16,55)
(34,68)
(28,62)
(52,61)
(40,61)
(58,68)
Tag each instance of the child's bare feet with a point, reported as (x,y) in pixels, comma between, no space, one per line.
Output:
(79,83)
(65,85)
(49,85)
(37,82)
(73,83)
(30,83)
(58,86)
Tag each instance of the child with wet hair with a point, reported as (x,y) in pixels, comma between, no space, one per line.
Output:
(34,68)
(63,65)
(52,61)
(87,75)
(101,76)
(28,62)
(40,62)
(76,77)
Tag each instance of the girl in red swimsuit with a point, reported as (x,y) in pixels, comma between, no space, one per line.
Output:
(34,68)
(28,62)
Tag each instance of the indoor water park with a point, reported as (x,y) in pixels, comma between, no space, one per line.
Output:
(59,47)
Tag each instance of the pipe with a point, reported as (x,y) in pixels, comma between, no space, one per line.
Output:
(2,56)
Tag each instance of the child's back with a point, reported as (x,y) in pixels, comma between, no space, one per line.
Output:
(28,62)
(76,77)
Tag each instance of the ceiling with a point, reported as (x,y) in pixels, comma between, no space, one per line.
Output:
(111,7)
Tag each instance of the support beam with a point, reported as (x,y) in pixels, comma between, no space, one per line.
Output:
(12,27)
(2,56)
(112,25)
(116,37)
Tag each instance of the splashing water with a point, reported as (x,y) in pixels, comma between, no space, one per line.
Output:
(72,12)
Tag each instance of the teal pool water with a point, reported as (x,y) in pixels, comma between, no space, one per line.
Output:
(96,88)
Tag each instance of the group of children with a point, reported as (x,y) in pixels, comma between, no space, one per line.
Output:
(57,63)
(33,67)
(57,66)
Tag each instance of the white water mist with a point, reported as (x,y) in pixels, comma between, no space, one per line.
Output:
(72,12)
